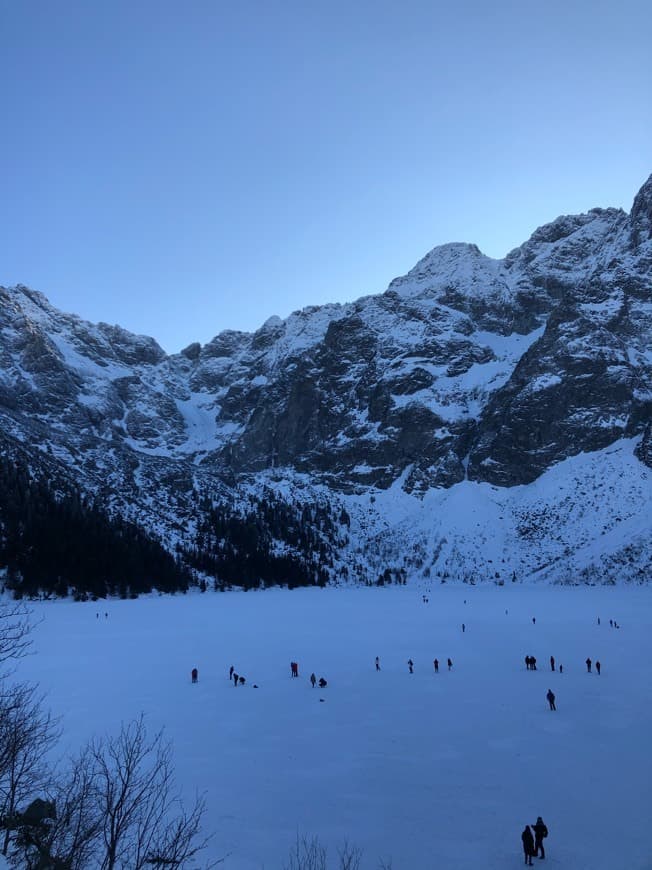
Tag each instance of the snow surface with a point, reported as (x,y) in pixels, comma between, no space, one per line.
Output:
(433,771)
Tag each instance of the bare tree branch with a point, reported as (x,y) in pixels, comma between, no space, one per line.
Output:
(27,733)
(15,630)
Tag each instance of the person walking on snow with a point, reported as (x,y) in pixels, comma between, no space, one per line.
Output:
(552,663)
(313,679)
(194,675)
(551,699)
(377,663)
(436,664)
(588,665)
(540,831)
(450,664)
(597,667)
(411,666)
(528,845)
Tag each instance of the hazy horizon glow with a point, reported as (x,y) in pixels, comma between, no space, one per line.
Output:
(183,170)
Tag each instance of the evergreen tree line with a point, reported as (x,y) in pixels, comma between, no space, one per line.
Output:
(267,542)
(58,543)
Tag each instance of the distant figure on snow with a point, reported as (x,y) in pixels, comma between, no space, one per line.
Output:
(598,620)
(561,669)
(588,665)
(436,664)
(231,672)
(540,832)
(294,669)
(194,675)
(463,628)
(527,663)
(411,666)
(241,680)
(611,623)
(534,621)
(313,680)
(533,663)
(322,683)
(597,667)
(450,664)
(551,699)
(528,845)
(552,663)
(235,678)
(377,663)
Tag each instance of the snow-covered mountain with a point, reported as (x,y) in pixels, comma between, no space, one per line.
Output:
(516,392)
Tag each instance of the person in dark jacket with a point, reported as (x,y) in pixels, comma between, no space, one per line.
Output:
(194,675)
(551,699)
(436,664)
(528,845)
(231,669)
(588,665)
(322,683)
(552,663)
(450,664)
(540,831)
(597,667)
(411,666)
(313,680)
(235,678)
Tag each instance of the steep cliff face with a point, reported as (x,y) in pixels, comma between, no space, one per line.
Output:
(465,369)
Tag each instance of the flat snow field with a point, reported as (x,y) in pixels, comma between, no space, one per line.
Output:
(433,771)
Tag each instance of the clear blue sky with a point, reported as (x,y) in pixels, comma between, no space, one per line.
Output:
(183,168)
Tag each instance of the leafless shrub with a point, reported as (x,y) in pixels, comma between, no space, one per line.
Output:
(349,857)
(116,808)
(307,854)
(27,734)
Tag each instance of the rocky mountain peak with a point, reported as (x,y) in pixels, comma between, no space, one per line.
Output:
(467,369)
(641,214)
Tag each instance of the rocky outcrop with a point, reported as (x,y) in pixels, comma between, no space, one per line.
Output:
(465,368)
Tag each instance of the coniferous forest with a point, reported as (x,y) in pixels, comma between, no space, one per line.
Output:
(56,541)
(62,544)
(271,542)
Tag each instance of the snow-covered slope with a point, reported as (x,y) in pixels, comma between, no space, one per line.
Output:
(467,377)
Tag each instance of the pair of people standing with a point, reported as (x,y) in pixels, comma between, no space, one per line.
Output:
(532,839)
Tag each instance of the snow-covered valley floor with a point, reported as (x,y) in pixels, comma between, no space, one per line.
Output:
(435,772)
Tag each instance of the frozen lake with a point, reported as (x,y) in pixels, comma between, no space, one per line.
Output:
(435,772)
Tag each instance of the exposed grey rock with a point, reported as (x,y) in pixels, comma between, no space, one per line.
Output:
(494,370)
